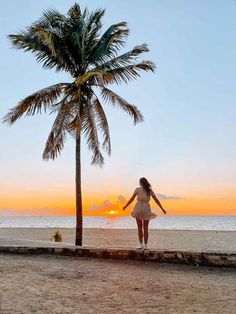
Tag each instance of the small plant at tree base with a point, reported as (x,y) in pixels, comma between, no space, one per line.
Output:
(57,236)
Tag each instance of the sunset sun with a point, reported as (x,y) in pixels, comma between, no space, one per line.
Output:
(112,212)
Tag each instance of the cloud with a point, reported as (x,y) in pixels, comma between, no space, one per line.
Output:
(121,199)
(8,212)
(107,205)
(94,207)
(44,211)
(168,197)
(104,206)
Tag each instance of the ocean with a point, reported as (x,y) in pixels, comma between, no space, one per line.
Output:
(225,223)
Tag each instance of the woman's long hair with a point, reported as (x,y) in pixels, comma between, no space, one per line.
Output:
(146,185)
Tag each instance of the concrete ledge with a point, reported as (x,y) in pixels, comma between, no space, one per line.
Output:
(176,257)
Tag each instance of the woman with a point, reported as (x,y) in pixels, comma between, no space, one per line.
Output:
(142,210)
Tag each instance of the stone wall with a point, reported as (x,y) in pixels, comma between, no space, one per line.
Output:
(176,257)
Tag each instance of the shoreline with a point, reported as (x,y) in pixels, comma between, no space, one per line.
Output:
(183,240)
(185,223)
(117,229)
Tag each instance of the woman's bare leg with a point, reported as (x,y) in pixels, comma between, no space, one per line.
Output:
(140,230)
(145,229)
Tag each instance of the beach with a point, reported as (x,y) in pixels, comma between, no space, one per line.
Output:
(186,240)
(61,284)
(57,284)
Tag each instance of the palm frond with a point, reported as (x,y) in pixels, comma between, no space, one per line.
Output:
(92,33)
(124,59)
(89,129)
(74,33)
(116,100)
(29,41)
(74,126)
(109,44)
(48,39)
(95,77)
(57,136)
(131,72)
(74,12)
(102,124)
(51,19)
(34,103)
(95,20)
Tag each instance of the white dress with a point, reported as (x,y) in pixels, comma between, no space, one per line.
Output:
(142,209)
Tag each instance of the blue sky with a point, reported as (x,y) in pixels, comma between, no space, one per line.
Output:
(186,146)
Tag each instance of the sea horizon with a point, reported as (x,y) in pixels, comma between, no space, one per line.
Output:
(193,222)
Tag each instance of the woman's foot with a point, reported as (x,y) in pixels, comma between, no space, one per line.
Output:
(145,247)
(140,246)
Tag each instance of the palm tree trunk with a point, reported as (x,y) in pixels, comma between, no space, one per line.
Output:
(79,217)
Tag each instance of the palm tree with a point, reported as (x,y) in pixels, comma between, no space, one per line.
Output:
(73,43)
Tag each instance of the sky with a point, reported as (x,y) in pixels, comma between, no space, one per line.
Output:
(186,145)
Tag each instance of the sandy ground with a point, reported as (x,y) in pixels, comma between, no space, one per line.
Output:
(202,241)
(56,284)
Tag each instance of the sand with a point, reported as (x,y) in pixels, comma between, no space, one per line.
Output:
(201,241)
(57,284)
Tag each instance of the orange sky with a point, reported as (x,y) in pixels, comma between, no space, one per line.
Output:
(56,203)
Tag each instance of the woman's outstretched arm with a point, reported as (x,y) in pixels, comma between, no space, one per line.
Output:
(157,201)
(130,201)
